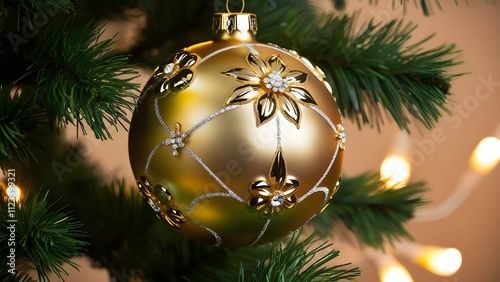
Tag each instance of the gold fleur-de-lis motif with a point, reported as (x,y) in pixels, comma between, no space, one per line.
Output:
(273,196)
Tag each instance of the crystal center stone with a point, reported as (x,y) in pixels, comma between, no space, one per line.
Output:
(275,82)
(169,68)
(277,200)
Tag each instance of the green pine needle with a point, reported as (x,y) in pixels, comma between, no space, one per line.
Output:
(20,123)
(379,69)
(29,11)
(375,214)
(46,238)
(370,71)
(296,262)
(78,80)
(18,276)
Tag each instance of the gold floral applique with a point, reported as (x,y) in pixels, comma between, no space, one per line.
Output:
(271,86)
(161,201)
(176,74)
(273,196)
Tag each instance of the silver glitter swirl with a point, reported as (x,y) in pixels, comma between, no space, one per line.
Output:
(326,118)
(332,161)
(200,161)
(309,220)
(278,132)
(315,190)
(148,161)
(209,195)
(210,117)
(248,45)
(261,233)
(159,117)
(218,240)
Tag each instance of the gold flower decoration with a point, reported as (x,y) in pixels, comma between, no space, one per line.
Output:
(273,196)
(340,135)
(176,74)
(161,200)
(271,86)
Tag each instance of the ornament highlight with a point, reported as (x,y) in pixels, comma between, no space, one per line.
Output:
(234,142)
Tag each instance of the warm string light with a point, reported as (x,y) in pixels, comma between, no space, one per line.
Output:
(14,192)
(390,269)
(441,261)
(486,155)
(438,260)
(483,160)
(395,170)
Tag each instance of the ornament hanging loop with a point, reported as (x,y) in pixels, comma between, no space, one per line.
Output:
(242,6)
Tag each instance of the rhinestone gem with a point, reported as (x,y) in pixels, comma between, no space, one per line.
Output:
(275,82)
(153,205)
(277,200)
(169,68)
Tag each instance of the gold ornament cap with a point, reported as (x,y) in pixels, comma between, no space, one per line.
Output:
(235,26)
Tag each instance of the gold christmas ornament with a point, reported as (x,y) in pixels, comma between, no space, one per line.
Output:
(234,142)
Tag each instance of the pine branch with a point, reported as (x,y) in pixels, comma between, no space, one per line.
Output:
(18,276)
(373,213)
(377,69)
(295,262)
(78,81)
(20,124)
(43,237)
(27,11)
(370,71)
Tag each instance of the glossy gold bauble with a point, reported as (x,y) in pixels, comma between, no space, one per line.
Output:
(234,142)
